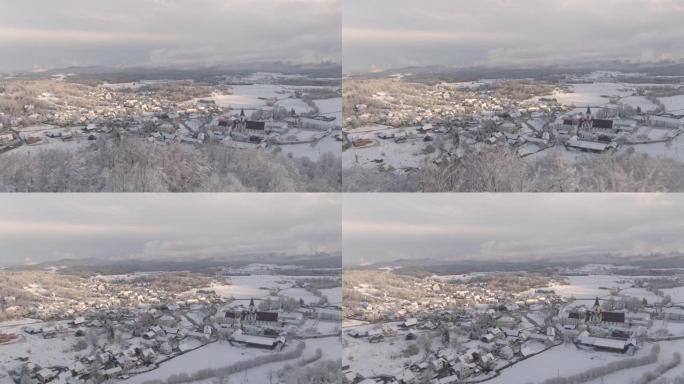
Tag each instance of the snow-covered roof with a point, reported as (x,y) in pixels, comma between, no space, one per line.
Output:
(602,342)
(256,340)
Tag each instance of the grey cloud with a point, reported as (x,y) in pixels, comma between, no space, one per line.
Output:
(522,32)
(51,34)
(509,226)
(48,227)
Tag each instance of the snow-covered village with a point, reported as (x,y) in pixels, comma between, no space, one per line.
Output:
(524,96)
(456,289)
(149,96)
(279,118)
(135,328)
(512,327)
(210,314)
(403,123)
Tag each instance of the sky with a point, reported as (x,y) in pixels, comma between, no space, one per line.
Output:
(509,227)
(382,34)
(46,34)
(47,227)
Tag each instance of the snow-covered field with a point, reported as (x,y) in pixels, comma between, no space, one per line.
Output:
(313,151)
(673,103)
(254,96)
(334,295)
(214,355)
(250,96)
(409,154)
(46,352)
(592,286)
(259,286)
(370,359)
(594,94)
(642,102)
(563,360)
(676,294)
(330,347)
(330,107)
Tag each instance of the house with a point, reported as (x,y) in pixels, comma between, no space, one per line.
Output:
(487,338)
(607,344)
(259,126)
(589,146)
(46,375)
(112,372)
(506,352)
(257,341)
(410,322)
(147,354)
(78,369)
(266,318)
(125,362)
(613,317)
(602,124)
(166,348)
(375,336)
(357,333)
(291,317)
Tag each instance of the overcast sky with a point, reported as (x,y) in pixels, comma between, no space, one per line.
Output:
(35,228)
(55,34)
(400,33)
(516,227)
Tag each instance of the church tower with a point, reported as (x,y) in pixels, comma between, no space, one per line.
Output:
(595,316)
(243,125)
(251,314)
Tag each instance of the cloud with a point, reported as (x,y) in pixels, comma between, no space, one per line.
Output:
(175,32)
(495,33)
(166,226)
(510,226)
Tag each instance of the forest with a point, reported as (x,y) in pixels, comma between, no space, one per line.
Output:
(129,165)
(506,171)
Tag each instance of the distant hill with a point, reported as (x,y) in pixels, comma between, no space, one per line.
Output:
(203,74)
(115,267)
(438,73)
(450,267)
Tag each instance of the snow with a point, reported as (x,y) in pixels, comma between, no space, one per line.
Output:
(330,107)
(45,352)
(259,286)
(313,150)
(217,355)
(589,287)
(364,357)
(409,154)
(334,295)
(253,286)
(562,360)
(676,294)
(298,105)
(214,355)
(300,293)
(673,104)
(642,102)
(592,93)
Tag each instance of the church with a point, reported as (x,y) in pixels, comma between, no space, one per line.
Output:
(249,126)
(240,317)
